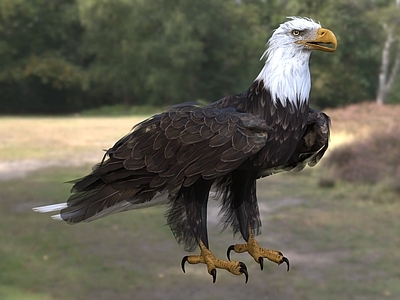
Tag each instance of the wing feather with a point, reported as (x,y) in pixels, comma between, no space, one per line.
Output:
(170,148)
(205,132)
(167,151)
(218,140)
(133,164)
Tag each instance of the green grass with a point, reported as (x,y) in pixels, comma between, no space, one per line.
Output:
(40,256)
(341,246)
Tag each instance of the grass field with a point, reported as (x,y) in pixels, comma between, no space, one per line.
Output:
(341,243)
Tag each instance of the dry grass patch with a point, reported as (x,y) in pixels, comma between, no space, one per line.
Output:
(60,137)
(370,155)
(359,121)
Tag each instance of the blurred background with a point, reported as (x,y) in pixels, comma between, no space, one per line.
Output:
(76,75)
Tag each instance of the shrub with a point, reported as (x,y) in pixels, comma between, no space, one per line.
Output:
(372,160)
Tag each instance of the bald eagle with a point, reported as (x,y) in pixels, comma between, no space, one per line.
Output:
(177,157)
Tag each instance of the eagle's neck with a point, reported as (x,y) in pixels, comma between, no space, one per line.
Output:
(286,75)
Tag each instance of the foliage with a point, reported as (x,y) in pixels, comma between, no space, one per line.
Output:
(61,56)
(350,75)
(121,110)
(41,69)
(163,51)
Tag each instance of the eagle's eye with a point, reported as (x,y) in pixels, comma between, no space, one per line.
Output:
(295,32)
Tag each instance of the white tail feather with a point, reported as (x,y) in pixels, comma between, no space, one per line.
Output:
(57,217)
(50,208)
(159,198)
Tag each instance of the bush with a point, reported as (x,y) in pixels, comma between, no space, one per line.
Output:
(372,160)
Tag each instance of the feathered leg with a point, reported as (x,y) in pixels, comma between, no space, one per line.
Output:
(195,199)
(245,209)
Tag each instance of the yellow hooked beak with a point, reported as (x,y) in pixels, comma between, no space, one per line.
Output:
(324,37)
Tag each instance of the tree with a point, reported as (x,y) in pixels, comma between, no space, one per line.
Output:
(40,65)
(390,21)
(348,76)
(169,51)
(68,55)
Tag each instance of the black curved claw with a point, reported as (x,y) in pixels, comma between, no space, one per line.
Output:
(261,262)
(228,252)
(184,260)
(214,274)
(243,269)
(284,259)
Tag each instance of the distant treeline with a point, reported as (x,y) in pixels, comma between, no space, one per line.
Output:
(59,56)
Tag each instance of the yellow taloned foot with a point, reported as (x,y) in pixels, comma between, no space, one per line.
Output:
(258,253)
(213,263)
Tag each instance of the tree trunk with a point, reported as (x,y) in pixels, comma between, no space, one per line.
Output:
(383,73)
(387,76)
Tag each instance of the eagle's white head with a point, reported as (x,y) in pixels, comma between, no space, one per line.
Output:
(286,72)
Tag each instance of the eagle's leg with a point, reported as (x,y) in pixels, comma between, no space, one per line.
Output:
(244,206)
(196,197)
(259,253)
